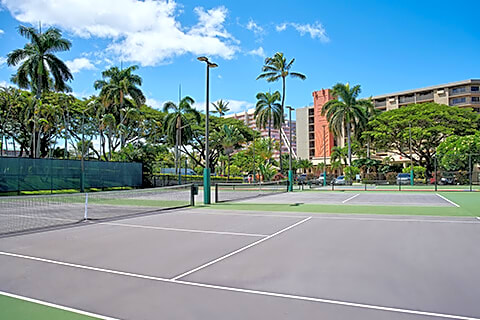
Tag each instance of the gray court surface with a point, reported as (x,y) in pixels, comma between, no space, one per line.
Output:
(352,198)
(215,264)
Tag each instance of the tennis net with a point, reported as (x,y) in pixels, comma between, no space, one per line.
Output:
(239,191)
(30,213)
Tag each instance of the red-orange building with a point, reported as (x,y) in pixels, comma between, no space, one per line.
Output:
(311,142)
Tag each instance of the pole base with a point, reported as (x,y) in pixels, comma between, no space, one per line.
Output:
(206,186)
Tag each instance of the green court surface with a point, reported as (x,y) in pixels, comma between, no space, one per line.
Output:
(469,203)
(17,309)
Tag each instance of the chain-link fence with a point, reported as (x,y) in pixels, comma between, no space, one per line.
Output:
(27,174)
(446,173)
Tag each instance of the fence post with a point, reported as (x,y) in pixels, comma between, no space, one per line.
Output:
(85,215)
(436,173)
(192,195)
(470,169)
(216,192)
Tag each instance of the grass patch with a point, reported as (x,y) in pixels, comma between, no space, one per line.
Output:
(12,308)
(469,206)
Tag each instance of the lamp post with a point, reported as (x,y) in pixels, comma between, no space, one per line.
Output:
(411,159)
(206,170)
(324,159)
(290,171)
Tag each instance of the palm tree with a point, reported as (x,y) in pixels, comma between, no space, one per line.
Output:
(305,164)
(176,120)
(38,61)
(221,107)
(115,88)
(339,154)
(231,137)
(274,68)
(268,110)
(346,112)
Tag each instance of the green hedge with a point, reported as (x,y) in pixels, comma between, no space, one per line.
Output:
(197,177)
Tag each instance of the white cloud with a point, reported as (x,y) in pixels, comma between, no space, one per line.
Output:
(257,52)
(1,31)
(154,103)
(316,30)
(146,32)
(281,27)
(233,105)
(78,64)
(255,28)
(2,61)
(4,84)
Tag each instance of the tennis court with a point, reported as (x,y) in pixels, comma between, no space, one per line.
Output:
(206,263)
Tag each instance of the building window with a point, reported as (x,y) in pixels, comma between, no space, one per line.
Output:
(459,100)
(458,90)
(475,89)
(475,99)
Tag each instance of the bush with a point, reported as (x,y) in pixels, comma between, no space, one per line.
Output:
(418,171)
(370,177)
(351,172)
(391,177)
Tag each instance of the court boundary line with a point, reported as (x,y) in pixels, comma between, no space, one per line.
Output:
(56,306)
(351,198)
(317,215)
(240,250)
(257,235)
(247,291)
(449,201)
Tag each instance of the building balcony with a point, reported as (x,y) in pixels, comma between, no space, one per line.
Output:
(458,92)
(425,97)
(408,99)
(380,104)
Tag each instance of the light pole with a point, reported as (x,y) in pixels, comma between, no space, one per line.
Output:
(411,159)
(290,171)
(206,170)
(324,159)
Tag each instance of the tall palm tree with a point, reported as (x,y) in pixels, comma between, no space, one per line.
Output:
(38,61)
(305,164)
(38,64)
(346,112)
(268,110)
(231,137)
(115,88)
(274,69)
(176,121)
(221,107)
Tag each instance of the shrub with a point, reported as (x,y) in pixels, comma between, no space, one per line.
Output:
(370,177)
(351,172)
(418,171)
(391,177)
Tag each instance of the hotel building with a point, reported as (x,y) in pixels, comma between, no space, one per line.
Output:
(313,143)
(248,118)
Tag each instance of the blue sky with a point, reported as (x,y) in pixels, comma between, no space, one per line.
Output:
(384,46)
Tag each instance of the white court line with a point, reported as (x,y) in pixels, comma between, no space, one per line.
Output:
(233,289)
(450,201)
(353,197)
(185,230)
(317,215)
(56,306)
(240,250)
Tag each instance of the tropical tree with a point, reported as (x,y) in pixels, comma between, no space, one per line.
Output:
(305,164)
(231,139)
(345,113)
(221,107)
(268,112)
(274,69)
(425,125)
(459,153)
(115,88)
(176,122)
(38,61)
(38,64)
(339,154)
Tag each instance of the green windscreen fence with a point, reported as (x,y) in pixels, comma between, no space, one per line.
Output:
(26,174)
